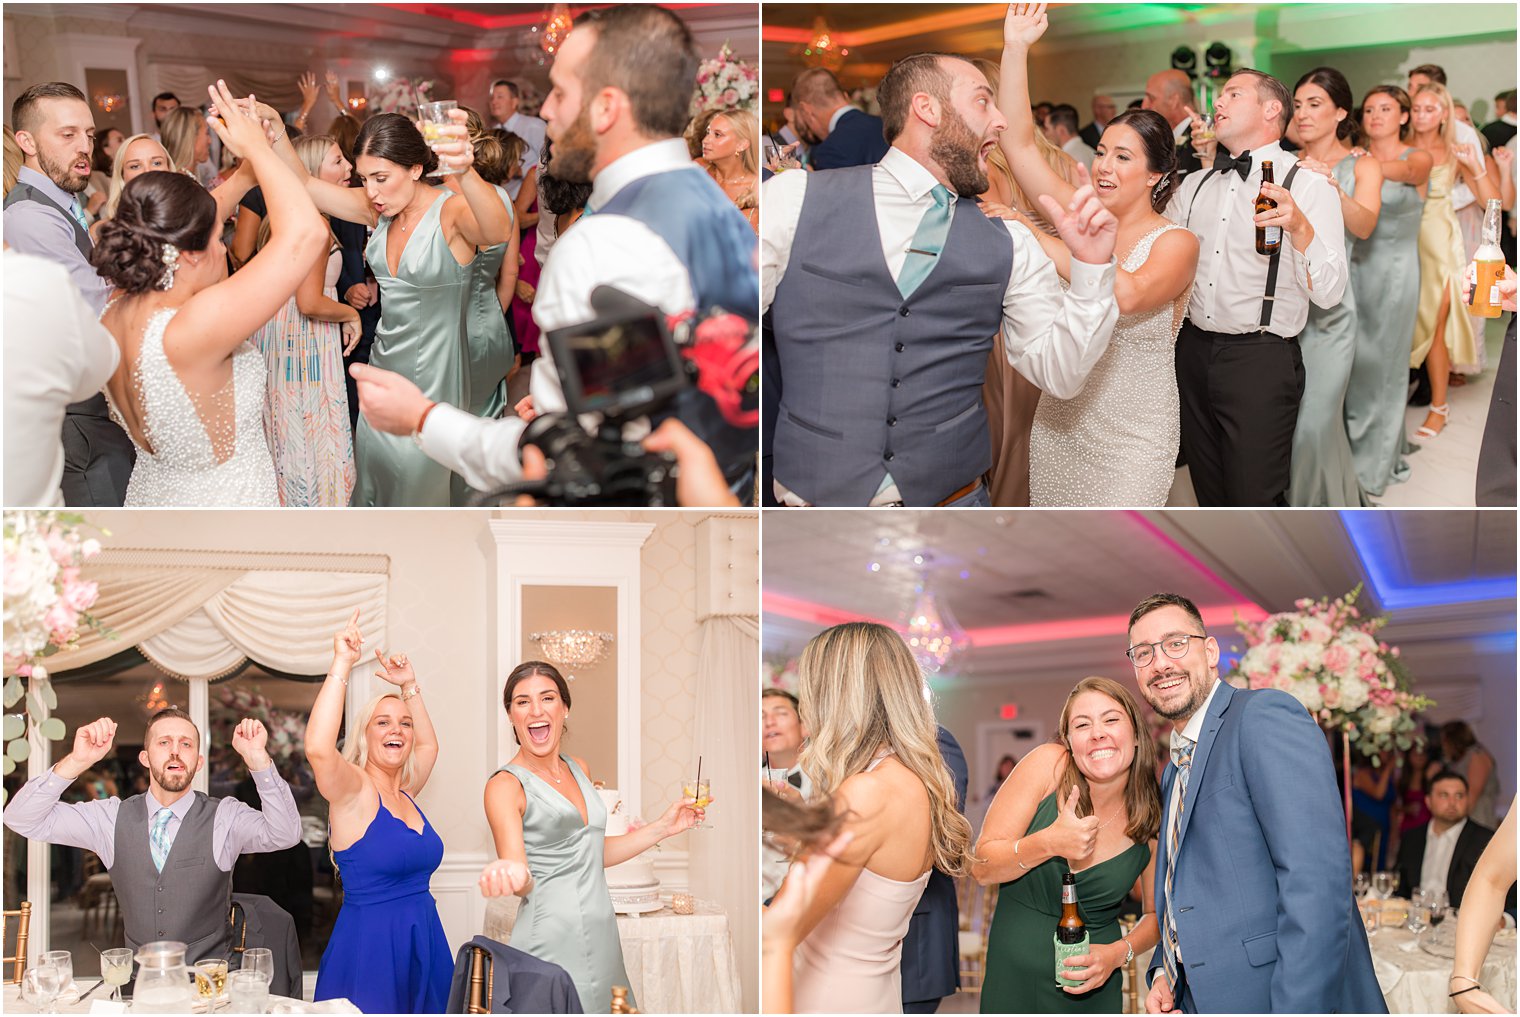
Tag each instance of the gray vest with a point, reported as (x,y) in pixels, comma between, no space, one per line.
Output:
(190,900)
(873,382)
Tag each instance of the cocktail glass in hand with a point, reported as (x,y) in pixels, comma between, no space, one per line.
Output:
(116,969)
(437,128)
(248,991)
(700,794)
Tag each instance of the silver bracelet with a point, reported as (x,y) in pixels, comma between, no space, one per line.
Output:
(344,679)
(1016,854)
(1129,947)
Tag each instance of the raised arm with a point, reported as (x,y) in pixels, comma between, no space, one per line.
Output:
(679,817)
(35,812)
(275,826)
(1361,208)
(527,194)
(338,780)
(1024,24)
(482,219)
(1004,843)
(218,319)
(505,804)
(1473,168)
(397,670)
(230,191)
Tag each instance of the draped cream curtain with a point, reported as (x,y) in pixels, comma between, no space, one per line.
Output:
(724,863)
(190,81)
(200,614)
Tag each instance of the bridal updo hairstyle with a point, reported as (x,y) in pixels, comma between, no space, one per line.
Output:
(1160,150)
(396,139)
(155,209)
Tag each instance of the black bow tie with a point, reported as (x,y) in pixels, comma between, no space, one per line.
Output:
(1240,164)
(795,779)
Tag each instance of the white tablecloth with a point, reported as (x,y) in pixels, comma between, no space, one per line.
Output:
(13,1003)
(677,963)
(1414,981)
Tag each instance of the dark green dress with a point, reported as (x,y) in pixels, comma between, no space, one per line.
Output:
(1021,955)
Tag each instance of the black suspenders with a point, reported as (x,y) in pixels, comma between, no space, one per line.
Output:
(1271,291)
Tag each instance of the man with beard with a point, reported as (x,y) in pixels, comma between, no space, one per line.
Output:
(887,287)
(155,845)
(837,134)
(656,228)
(1253,875)
(44,216)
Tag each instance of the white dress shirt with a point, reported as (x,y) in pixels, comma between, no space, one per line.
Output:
(56,353)
(1190,731)
(531,130)
(1439,848)
(602,250)
(1232,278)
(1079,150)
(1050,337)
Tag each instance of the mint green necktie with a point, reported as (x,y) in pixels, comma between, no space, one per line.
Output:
(78,212)
(158,838)
(928,241)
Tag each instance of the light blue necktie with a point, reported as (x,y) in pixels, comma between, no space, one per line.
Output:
(77,211)
(158,838)
(928,241)
(1182,756)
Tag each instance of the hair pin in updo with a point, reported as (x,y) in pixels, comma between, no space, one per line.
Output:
(171,265)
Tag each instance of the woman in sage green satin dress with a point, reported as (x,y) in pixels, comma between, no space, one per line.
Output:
(493,281)
(421,254)
(1040,827)
(1322,471)
(549,827)
(1386,266)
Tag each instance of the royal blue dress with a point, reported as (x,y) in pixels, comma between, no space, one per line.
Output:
(388,953)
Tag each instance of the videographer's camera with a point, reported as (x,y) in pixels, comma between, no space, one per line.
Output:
(627,364)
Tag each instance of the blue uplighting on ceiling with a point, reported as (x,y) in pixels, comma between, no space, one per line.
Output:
(1375,541)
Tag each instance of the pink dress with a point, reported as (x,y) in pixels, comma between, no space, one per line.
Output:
(852,961)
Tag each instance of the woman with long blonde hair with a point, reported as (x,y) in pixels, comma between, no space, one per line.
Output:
(874,752)
(730,147)
(186,138)
(387,952)
(1443,333)
(1087,803)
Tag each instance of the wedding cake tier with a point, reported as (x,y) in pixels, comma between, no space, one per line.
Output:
(632,884)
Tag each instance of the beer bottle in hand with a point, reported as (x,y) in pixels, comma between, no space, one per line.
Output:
(1489,259)
(1268,238)
(1071,931)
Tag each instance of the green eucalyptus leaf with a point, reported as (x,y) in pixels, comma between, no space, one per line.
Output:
(52,729)
(15,726)
(34,705)
(18,750)
(14,690)
(49,697)
(7,766)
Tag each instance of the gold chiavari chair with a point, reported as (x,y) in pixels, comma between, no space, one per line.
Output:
(17,960)
(977,904)
(482,981)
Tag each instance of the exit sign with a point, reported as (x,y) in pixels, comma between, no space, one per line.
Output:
(1009,711)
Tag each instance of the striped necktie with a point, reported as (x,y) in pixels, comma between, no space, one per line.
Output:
(158,838)
(928,241)
(1182,758)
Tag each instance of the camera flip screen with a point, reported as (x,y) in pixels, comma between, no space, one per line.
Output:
(617,366)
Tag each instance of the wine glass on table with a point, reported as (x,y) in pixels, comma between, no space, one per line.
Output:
(1382,884)
(116,970)
(1438,904)
(40,986)
(1418,912)
(699,790)
(1360,885)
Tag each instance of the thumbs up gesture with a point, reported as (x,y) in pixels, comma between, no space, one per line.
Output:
(1071,836)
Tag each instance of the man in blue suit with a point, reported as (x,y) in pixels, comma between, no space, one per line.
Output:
(1253,874)
(838,134)
(931,952)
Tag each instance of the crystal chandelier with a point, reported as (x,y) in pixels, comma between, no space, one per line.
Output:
(557,25)
(573,647)
(823,50)
(932,632)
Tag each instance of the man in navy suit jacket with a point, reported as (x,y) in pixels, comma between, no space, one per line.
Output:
(931,952)
(838,134)
(1253,874)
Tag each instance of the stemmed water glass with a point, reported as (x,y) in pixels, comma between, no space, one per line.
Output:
(1419,910)
(40,986)
(1439,905)
(1382,884)
(1360,885)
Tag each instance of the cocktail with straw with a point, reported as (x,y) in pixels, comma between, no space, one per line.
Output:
(699,790)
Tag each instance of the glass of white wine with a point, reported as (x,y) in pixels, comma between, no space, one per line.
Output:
(438,127)
(210,978)
(700,793)
(116,970)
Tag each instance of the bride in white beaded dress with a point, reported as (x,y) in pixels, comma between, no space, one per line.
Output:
(1115,443)
(190,389)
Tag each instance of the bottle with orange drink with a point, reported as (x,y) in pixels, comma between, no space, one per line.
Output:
(1489,262)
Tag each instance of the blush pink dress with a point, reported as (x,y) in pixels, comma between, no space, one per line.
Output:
(852,961)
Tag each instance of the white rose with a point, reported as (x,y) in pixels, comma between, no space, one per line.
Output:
(1306,691)
(1353,694)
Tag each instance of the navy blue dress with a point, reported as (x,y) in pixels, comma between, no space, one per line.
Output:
(388,953)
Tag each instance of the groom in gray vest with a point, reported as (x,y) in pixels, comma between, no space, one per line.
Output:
(887,287)
(170,851)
